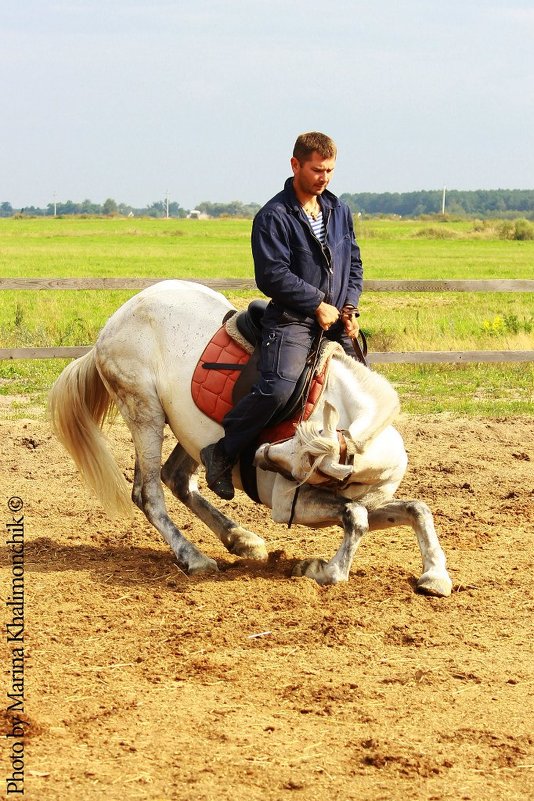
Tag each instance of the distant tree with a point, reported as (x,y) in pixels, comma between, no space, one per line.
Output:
(159,209)
(233,209)
(88,207)
(109,207)
(68,207)
(33,211)
(156,209)
(6,209)
(175,210)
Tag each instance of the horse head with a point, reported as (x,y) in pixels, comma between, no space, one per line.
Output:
(318,452)
(312,456)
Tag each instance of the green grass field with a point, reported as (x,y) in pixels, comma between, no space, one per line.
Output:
(71,247)
(56,248)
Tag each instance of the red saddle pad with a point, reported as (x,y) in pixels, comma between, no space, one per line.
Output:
(212,389)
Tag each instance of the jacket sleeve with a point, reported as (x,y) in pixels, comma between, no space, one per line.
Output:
(355,284)
(272,267)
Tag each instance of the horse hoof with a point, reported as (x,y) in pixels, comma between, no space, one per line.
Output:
(247,544)
(315,569)
(207,565)
(256,552)
(437,586)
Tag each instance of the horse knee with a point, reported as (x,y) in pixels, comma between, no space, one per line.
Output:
(355,518)
(418,510)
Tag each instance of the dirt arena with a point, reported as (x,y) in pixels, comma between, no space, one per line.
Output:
(143,683)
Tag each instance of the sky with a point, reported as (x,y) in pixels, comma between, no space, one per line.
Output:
(203,100)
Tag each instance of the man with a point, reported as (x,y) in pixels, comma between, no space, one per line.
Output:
(307,262)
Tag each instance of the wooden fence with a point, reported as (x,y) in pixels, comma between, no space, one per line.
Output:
(413,357)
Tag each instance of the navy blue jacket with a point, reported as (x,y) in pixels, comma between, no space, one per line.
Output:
(292,267)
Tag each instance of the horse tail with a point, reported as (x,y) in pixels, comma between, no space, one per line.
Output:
(78,405)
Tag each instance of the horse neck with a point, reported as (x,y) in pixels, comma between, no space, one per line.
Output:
(365,400)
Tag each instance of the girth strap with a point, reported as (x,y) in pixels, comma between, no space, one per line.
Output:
(222,366)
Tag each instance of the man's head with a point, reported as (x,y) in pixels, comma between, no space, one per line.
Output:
(308,143)
(313,162)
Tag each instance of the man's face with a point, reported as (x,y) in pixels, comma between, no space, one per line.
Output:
(313,176)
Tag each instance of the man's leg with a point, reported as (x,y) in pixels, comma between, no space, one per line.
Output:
(285,349)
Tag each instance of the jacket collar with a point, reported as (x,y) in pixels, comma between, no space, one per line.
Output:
(327,199)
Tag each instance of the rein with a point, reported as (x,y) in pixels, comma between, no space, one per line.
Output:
(330,482)
(344,458)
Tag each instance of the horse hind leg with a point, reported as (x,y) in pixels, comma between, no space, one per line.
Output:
(179,475)
(147,492)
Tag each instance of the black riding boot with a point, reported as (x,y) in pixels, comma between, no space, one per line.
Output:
(218,470)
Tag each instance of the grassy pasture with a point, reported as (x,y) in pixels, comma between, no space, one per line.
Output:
(71,247)
(66,248)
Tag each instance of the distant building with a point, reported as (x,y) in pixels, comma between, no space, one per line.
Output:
(195,214)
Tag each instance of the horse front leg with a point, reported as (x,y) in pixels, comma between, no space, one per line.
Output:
(317,508)
(179,475)
(434,580)
(354,521)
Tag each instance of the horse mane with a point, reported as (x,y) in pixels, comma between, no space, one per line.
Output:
(379,406)
(370,382)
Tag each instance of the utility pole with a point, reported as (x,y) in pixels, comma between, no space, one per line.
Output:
(443,200)
(55,205)
(167,204)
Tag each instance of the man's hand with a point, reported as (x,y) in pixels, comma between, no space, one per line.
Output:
(326,315)
(349,315)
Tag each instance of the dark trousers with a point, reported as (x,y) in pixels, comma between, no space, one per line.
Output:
(286,345)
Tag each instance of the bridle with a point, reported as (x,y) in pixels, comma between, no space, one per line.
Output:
(271,466)
(346,457)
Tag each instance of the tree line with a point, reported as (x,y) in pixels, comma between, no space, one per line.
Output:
(111,208)
(478,203)
(504,203)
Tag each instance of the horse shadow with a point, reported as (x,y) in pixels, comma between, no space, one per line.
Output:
(134,565)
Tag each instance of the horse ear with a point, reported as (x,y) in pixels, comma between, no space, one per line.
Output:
(330,420)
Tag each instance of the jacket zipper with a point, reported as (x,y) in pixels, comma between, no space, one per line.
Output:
(325,252)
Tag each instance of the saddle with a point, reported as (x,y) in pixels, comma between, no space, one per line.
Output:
(227,370)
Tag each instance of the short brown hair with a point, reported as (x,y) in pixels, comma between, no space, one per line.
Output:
(308,143)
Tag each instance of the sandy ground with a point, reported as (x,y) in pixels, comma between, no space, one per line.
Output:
(143,683)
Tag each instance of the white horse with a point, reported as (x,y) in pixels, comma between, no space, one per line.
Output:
(143,362)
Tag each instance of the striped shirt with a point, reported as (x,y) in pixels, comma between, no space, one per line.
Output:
(318,227)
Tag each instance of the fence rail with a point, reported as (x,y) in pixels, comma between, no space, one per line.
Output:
(384,357)
(389,357)
(483,285)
